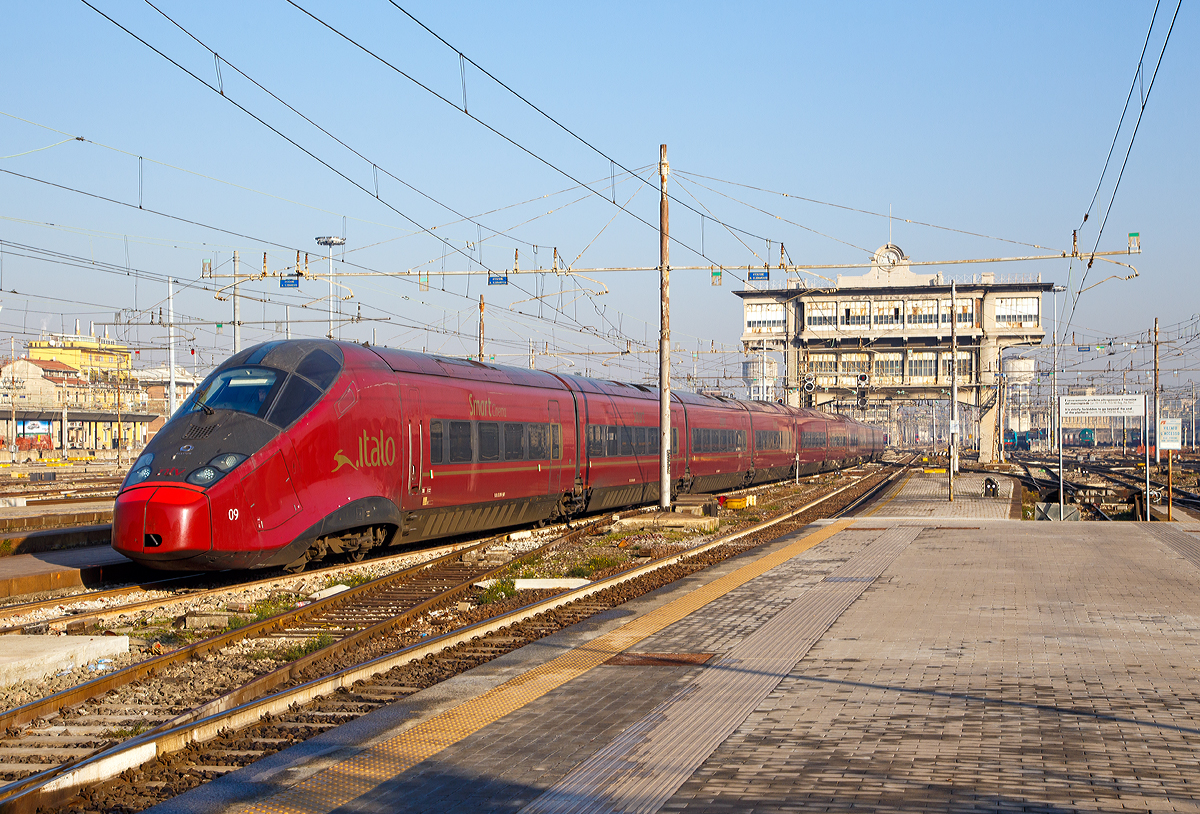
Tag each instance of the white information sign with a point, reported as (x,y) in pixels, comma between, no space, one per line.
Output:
(1170,433)
(1072,406)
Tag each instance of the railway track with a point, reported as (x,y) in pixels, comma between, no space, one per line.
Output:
(386,639)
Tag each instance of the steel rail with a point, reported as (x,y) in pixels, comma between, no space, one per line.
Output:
(9,611)
(102,684)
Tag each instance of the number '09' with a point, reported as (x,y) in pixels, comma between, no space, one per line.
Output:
(233,514)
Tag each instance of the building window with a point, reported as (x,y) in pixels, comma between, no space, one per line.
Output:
(964,366)
(966,312)
(888,366)
(765,315)
(1022,311)
(856,313)
(855,363)
(889,312)
(821,314)
(922,312)
(824,363)
(922,367)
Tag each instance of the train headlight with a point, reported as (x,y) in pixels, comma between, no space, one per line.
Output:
(204,476)
(227,461)
(140,470)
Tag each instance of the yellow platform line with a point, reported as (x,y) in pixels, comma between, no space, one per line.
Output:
(361,773)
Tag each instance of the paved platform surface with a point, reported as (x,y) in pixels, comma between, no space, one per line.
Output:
(924,494)
(50,570)
(873,665)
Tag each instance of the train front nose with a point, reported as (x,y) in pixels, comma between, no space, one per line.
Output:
(166,527)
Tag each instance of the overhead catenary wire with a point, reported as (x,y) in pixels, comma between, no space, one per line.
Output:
(598,193)
(1128,150)
(273,129)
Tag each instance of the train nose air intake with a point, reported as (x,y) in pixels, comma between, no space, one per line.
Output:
(171,521)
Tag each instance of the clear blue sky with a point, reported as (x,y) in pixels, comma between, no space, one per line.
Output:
(994,119)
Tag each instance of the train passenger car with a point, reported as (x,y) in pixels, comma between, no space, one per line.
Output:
(293,450)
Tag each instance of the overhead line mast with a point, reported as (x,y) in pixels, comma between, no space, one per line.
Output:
(664,346)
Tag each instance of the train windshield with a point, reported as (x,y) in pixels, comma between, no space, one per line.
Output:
(243,389)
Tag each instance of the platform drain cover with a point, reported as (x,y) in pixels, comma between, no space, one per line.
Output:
(659,659)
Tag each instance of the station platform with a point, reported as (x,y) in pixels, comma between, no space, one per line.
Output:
(22,574)
(891,662)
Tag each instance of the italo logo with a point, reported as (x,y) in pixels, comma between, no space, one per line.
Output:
(483,408)
(372,451)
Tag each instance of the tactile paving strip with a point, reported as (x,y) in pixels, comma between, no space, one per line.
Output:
(649,761)
(351,778)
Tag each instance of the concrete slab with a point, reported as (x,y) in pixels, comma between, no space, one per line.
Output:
(31,657)
(540,584)
(665,520)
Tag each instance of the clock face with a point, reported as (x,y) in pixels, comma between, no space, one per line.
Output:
(888,257)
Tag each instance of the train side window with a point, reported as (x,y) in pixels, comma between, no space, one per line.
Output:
(652,440)
(595,441)
(460,442)
(639,440)
(674,441)
(741,440)
(320,368)
(556,441)
(489,441)
(626,440)
(294,400)
(435,442)
(539,442)
(610,441)
(514,442)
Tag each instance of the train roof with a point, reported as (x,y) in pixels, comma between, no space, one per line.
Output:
(407,361)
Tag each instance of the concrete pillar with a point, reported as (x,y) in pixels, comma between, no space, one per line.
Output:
(989,353)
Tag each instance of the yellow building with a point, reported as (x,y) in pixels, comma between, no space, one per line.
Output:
(97,358)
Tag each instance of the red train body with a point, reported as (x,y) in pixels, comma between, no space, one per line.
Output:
(292,450)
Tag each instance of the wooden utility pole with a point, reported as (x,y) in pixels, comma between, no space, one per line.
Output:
(664,341)
(480,327)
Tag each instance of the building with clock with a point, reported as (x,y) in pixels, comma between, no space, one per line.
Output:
(882,339)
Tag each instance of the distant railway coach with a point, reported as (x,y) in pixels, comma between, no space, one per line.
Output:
(293,450)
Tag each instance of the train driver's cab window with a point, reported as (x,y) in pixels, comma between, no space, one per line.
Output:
(294,400)
(241,389)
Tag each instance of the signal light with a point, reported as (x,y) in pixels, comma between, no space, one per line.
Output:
(863,379)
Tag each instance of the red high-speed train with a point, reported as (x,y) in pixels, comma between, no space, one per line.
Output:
(293,450)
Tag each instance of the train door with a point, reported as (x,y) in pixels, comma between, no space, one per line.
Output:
(556,448)
(414,446)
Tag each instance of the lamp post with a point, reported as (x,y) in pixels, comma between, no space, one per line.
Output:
(329,241)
